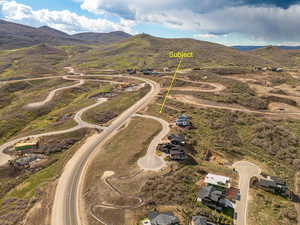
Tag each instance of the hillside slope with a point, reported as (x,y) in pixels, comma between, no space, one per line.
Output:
(53,32)
(15,36)
(33,61)
(18,36)
(277,55)
(102,38)
(147,51)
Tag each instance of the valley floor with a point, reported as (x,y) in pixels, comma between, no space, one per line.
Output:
(254,119)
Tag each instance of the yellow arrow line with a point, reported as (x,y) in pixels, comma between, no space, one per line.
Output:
(171,85)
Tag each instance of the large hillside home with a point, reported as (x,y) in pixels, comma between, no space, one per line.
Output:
(214,198)
(274,185)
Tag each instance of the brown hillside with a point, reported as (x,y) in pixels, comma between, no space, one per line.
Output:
(279,56)
(147,51)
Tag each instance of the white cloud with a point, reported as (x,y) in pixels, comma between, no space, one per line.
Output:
(205,36)
(63,20)
(261,21)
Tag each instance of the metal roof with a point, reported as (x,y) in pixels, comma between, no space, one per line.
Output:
(216,179)
(162,218)
(199,220)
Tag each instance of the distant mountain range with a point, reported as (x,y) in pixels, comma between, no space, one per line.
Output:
(249,47)
(119,50)
(13,35)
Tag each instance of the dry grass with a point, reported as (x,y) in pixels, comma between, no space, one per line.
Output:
(21,190)
(120,155)
(268,209)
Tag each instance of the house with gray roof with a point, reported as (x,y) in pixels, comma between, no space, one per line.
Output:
(214,198)
(168,218)
(274,185)
(199,220)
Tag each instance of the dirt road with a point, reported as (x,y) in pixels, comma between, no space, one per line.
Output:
(216,87)
(246,171)
(152,162)
(52,94)
(4,158)
(199,102)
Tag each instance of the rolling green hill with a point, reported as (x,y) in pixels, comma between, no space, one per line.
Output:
(31,62)
(144,51)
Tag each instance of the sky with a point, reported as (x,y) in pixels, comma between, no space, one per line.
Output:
(228,22)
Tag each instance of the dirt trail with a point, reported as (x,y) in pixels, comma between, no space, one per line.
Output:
(292,94)
(106,179)
(52,94)
(216,87)
(199,102)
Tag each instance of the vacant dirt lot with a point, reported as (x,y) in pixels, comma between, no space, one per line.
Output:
(119,191)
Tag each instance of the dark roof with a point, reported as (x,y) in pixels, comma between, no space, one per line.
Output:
(171,147)
(199,220)
(182,121)
(152,215)
(273,184)
(183,117)
(179,138)
(26,160)
(176,152)
(277,180)
(211,192)
(216,195)
(267,183)
(162,218)
(205,192)
(177,148)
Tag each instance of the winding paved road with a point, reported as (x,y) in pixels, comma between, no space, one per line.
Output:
(66,203)
(246,171)
(65,209)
